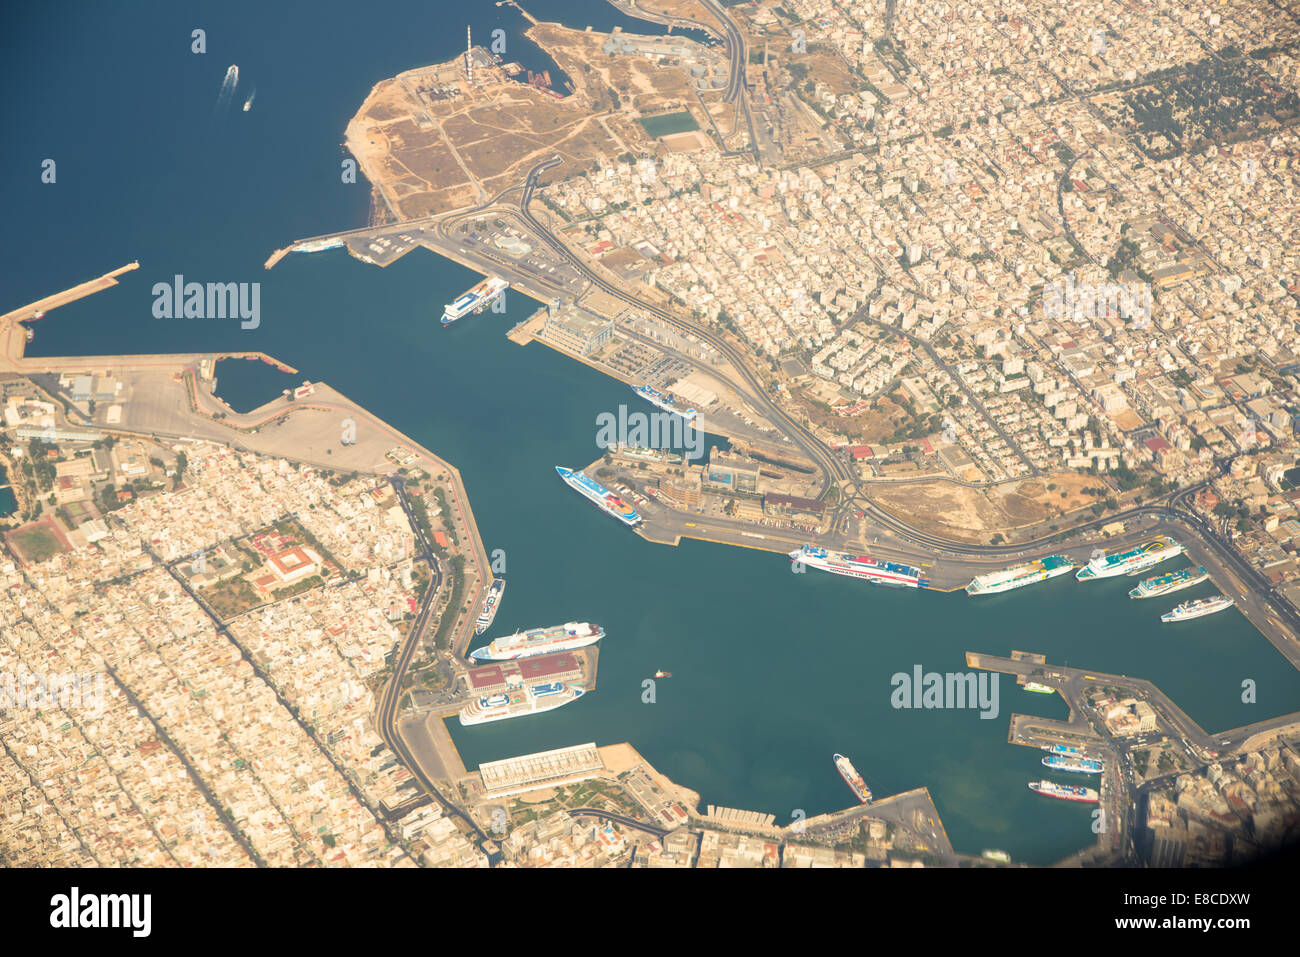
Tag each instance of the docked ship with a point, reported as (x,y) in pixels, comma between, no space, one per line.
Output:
(1037,688)
(475,300)
(1065,762)
(1066,792)
(519,701)
(490,605)
(852,778)
(1002,857)
(1021,575)
(1198,608)
(316,245)
(539,641)
(664,400)
(598,495)
(1164,584)
(1064,749)
(1132,561)
(860,566)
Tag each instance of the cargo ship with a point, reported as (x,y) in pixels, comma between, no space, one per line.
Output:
(490,605)
(1132,561)
(1198,608)
(852,778)
(476,299)
(1021,575)
(664,400)
(539,641)
(598,495)
(1164,584)
(1065,762)
(1066,792)
(520,701)
(860,566)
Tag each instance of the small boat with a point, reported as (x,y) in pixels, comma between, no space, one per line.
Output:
(663,674)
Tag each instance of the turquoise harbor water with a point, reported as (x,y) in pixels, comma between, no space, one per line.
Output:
(772,672)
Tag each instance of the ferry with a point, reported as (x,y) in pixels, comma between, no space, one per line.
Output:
(490,605)
(518,701)
(598,495)
(1131,562)
(1066,792)
(1065,749)
(664,400)
(1018,576)
(540,641)
(1065,762)
(860,566)
(475,300)
(1198,608)
(1164,584)
(1037,688)
(852,778)
(316,245)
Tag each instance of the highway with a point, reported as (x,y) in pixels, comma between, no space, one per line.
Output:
(386,713)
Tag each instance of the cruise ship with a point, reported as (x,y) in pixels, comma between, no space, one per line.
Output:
(475,299)
(860,566)
(1132,561)
(852,778)
(490,605)
(1019,576)
(664,400)
(519,701)
(598,495)
(1198,608)
(539,641)
(1164,584)
(1066,792)
(1065,762)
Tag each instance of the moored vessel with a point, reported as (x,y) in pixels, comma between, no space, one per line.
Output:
(1068,762)
(1164,584)
(664,400)
(1037,688)
(598,495)
(1018,576)
(1198,608)
(860,566)
(490,604)
(1065,792)
(539,641)
(852,778)
(520,700)
(1132,561)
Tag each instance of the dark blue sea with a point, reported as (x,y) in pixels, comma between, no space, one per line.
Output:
(772,672)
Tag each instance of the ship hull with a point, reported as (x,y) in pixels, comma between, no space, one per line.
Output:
(1130,563)
(490,605)
(852,778)
(518,703)
(598,495)
(518,645)
(1187,613)
(878,573)
(1148,590)
(1064,793)
(990,585)
(481,296)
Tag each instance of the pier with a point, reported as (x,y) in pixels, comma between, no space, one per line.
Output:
(31,310)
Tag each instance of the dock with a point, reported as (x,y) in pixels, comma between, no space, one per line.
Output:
(79,291)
